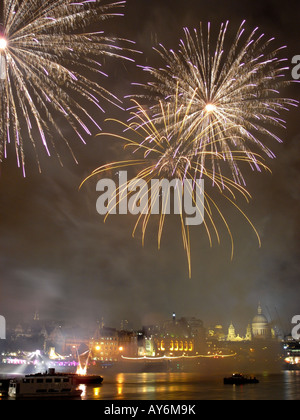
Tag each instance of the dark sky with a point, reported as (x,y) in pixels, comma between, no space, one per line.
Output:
(59,257)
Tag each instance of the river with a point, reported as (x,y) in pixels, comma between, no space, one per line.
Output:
(189,386)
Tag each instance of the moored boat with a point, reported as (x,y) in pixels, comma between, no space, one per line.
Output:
(47,385)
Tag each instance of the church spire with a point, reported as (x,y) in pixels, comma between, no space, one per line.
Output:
(259,310)
(36,316)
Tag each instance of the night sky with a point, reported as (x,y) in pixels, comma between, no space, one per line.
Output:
(57,256)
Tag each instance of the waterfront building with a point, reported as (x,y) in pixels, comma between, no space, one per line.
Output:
(178,337)
(146,344)
(128,343)
(104,346)
(173,337)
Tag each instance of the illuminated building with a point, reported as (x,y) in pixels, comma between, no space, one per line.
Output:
(175,337)
(232,336)
(248,333)
(109,345)
(291,349)
(105,345)
(176,346)
(231,333)
(260,326)
(149,347)
(145,343)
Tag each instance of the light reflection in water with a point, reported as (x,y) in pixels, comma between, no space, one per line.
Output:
(96,392)
(120,384)
(186,386)
(151,385)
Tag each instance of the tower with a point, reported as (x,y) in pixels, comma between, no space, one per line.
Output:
(248,333)
(231,333)
(36,316)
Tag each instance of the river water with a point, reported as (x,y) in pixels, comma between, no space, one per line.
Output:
(189,386)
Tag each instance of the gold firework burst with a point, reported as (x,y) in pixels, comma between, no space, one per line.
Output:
(228,88)
(166,151)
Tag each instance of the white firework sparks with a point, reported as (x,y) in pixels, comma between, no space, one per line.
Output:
(45,62)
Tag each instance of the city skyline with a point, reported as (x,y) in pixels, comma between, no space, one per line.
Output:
(259,327)
(281,328)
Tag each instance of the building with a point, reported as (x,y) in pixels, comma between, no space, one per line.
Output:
(232,336)
(178,346)
(258,329)
(109,345)
(217,333)
(198,333)
(104,346)
(176,337)
(261,329)
(291,349)
(128,343)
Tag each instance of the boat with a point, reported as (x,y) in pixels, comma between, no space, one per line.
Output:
(239,379)
(81,377)
(87,379)
(44,385)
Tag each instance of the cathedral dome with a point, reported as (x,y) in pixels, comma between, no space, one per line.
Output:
(260,319)
(260,325)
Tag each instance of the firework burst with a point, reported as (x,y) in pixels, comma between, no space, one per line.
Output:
(166,150)
(45,63)
(231,91)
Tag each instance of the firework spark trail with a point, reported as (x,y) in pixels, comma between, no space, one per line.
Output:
(45,60)
(165,150)
(230,90)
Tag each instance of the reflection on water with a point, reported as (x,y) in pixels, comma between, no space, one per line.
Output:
(187,386)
